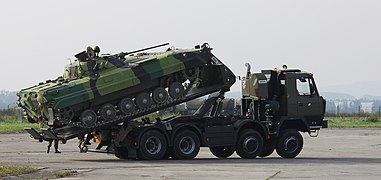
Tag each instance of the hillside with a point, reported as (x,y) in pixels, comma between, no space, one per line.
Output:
(359,89)
(337,96)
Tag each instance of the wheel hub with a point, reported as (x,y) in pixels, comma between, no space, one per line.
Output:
(187,145)
(108,112)
(153,145)
(250,144)
(291,144)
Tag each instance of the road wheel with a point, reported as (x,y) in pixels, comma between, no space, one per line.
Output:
(222,151)
(268,148)
(289,144)
(176,90)
(160,95)
(249,144)
(143,100)
(108,112)
(152,145)
(121,152)
(127,106)
(186,145)
(88,117)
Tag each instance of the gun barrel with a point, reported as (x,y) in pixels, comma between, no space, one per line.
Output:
(152,47)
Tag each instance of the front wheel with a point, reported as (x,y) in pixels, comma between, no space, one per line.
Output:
(289,144)
(222,151)
(249,144)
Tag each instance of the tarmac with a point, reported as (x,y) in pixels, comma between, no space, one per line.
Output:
(335,154)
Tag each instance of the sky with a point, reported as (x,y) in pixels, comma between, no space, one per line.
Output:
(339,41)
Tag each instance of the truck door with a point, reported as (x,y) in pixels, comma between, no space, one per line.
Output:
(309,103)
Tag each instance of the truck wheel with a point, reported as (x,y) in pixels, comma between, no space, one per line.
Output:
(186,145)
(152,146)
(143,100)
(222,151)
(289,144)
(249,144)
(121,152)
(159,95)
(268,148)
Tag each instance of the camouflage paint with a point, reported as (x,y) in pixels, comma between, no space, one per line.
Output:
(102,76)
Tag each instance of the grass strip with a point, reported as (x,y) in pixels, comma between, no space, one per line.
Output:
(15,127)
(15,170)
(352,122)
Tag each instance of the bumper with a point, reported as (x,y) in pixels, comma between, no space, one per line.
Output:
(324,124)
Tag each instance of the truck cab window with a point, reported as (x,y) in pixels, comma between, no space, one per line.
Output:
(303,86)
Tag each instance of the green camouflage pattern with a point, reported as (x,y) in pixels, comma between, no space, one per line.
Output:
(84,81)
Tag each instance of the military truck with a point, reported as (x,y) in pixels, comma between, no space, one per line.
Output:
(276,106)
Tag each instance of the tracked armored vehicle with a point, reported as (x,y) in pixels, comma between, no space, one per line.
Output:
(96,90)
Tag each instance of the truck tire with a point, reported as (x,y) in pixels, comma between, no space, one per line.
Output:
(152,145)
(121,152)
(249,144)
(289,144)
(268,148)
(186,145)
(222,151)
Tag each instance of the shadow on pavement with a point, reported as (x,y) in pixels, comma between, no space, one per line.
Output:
(270,160)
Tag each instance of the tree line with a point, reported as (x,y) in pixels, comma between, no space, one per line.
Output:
(8,112)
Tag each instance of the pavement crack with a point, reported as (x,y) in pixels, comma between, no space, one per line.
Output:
(273,176)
